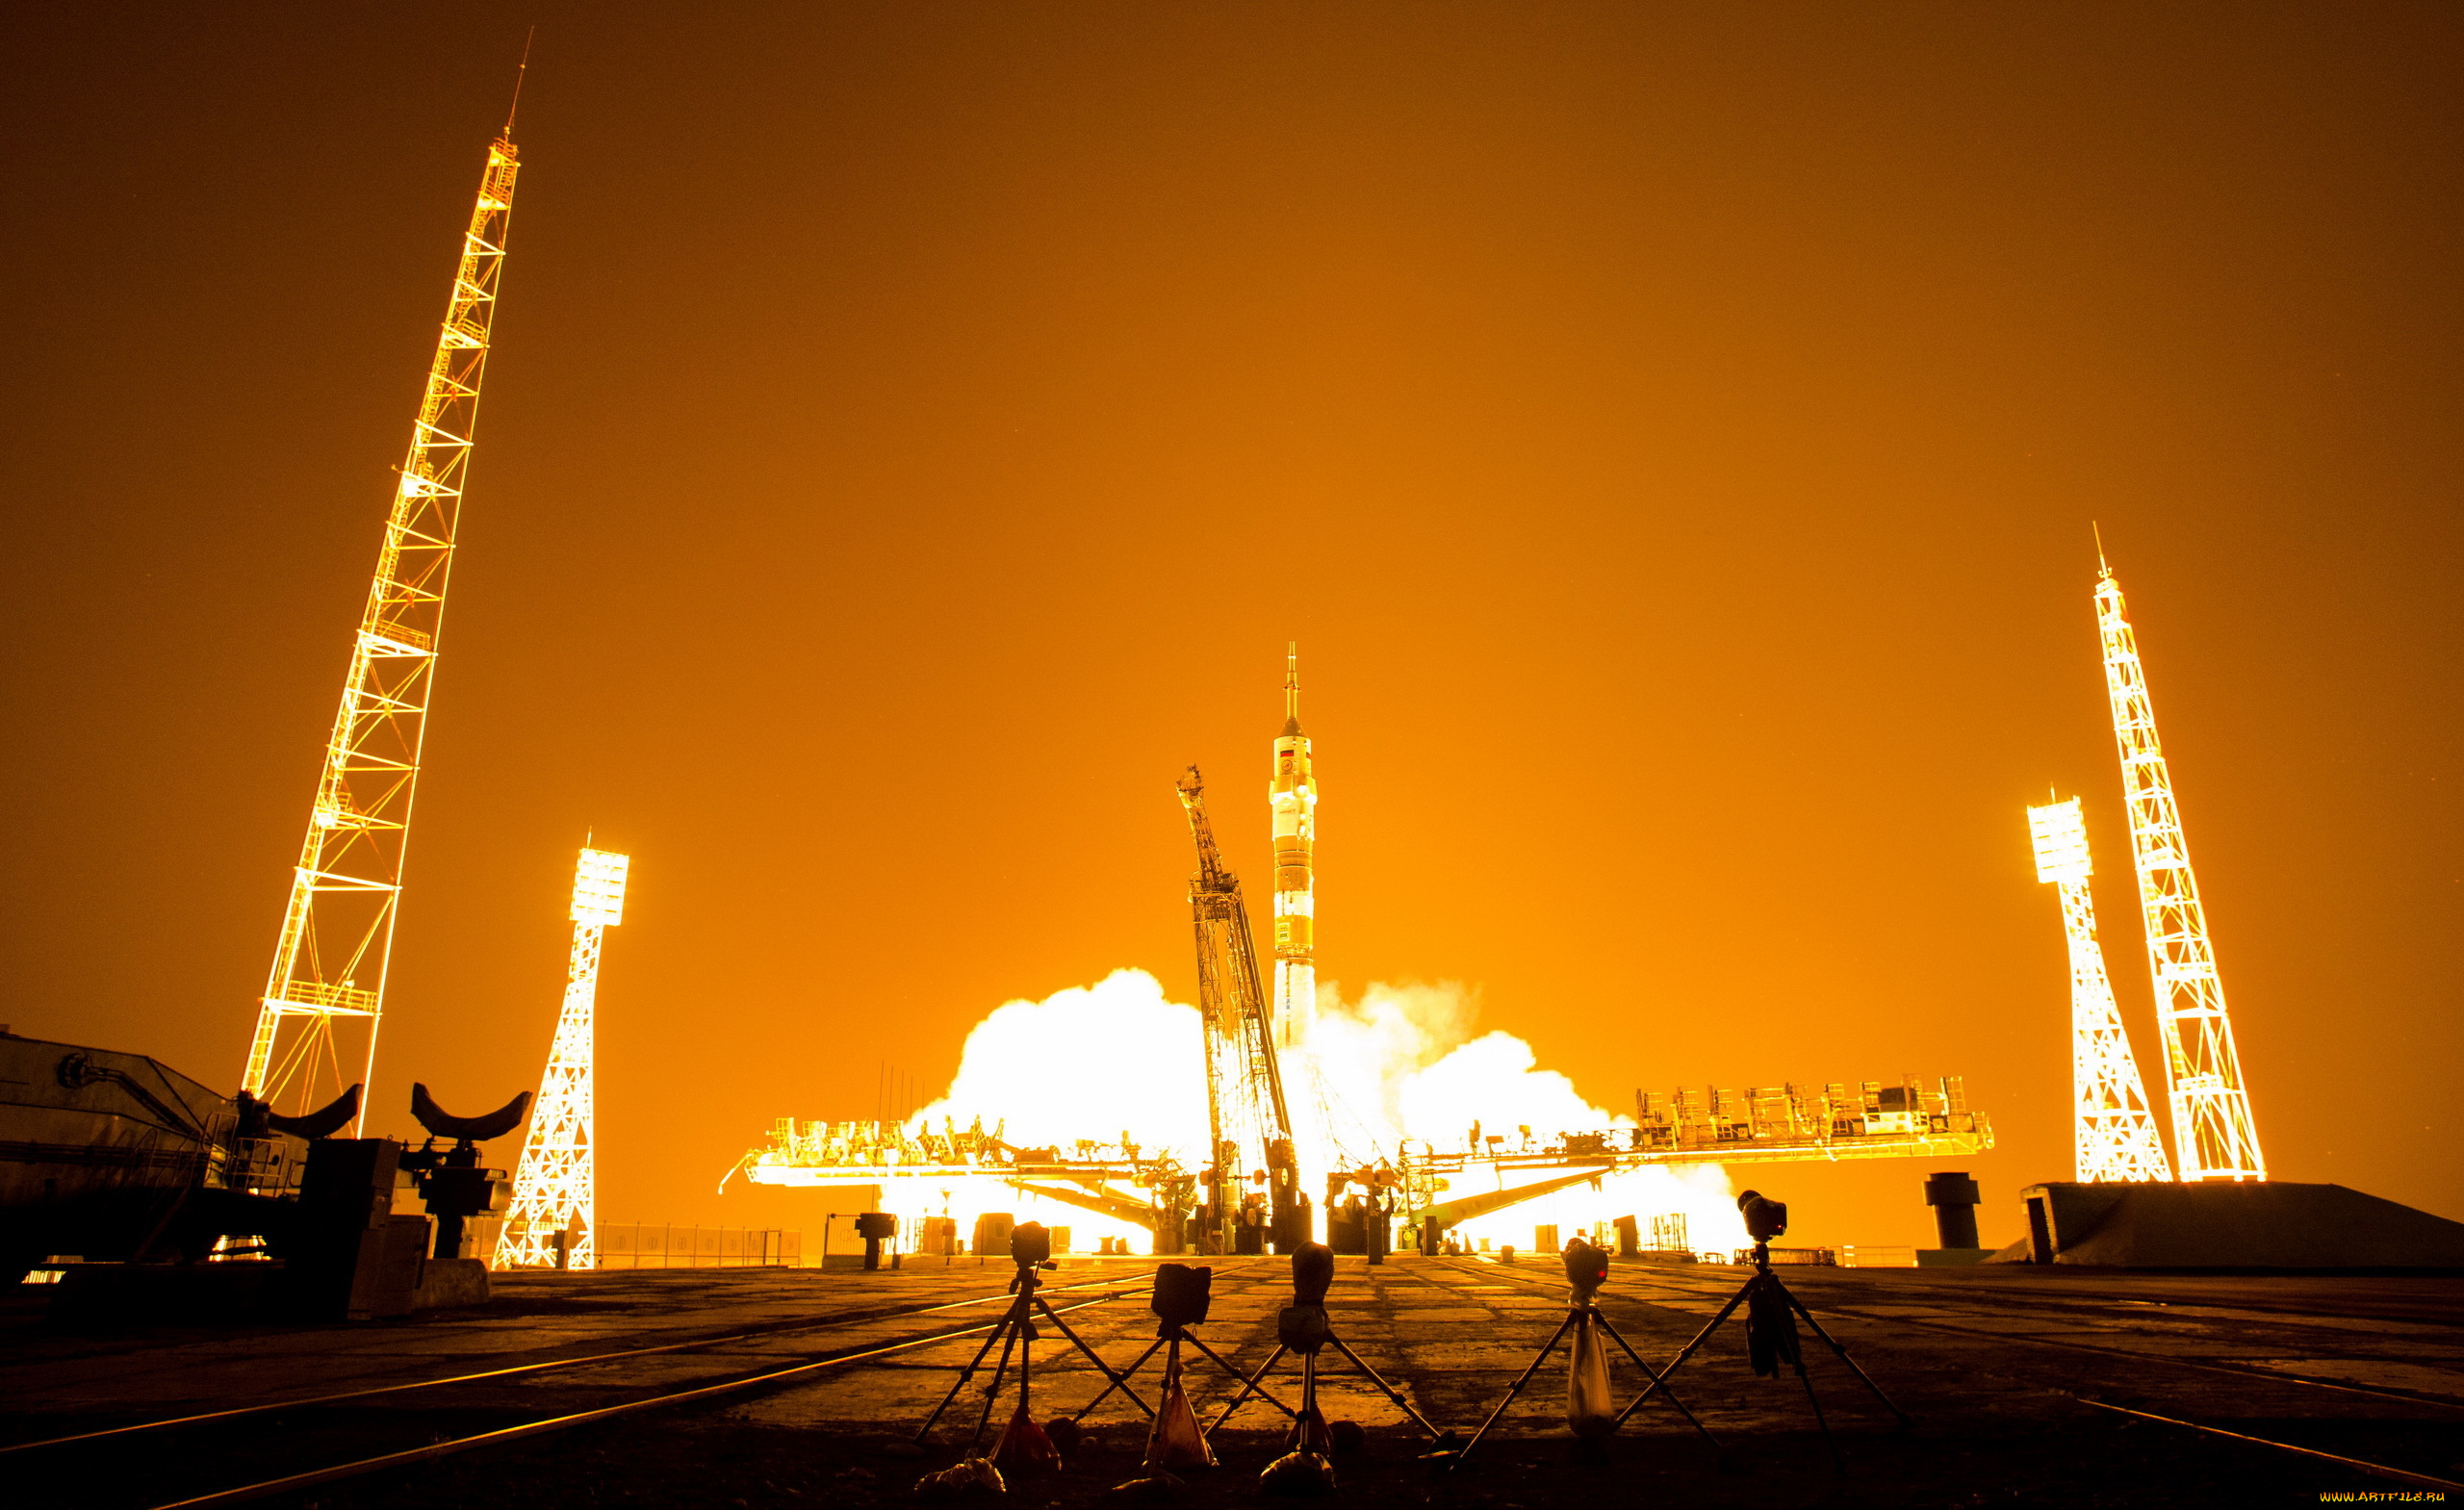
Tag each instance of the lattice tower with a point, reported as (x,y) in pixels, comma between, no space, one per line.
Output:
(2114,1135)
(554,1190)
(337,942)
(1292,793)
(1247,1117)
(2214,1138)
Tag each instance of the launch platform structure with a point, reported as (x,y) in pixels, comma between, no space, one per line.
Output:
(1292,793)
(556,1209)
(2214,1138)
(335,947)
(2113,1138)
(1247,1116)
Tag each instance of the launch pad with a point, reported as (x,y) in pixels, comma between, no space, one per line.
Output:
(1996,1365)
(1152,1191)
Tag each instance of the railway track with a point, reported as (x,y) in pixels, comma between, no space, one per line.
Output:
(251,1451)
(689,1345)
(1705,1287)
(71,1457)
(2066,1308)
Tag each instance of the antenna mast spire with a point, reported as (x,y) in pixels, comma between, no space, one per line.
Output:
(337,942)
(519,74)
(2214,1138)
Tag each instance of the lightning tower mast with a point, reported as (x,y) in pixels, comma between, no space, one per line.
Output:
(1293,795)
(1247,1117)
(2113,1133)
(2214,1138)
(554,1193)
(337,943)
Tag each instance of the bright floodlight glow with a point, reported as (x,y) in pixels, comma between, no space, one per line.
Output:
(598,889)
(2062,841)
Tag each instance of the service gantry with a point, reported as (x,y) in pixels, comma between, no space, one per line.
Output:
(2113,1137)
(555,1192)
(2214,1138)
(335,948)
(1248,1125)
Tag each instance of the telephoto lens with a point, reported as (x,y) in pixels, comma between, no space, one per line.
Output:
(1313,1270)
(1586,1269)
(1764,1218)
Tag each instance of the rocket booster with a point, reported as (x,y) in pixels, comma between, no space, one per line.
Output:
(1293,795)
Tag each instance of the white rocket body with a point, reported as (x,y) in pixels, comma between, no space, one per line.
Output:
(1293,795)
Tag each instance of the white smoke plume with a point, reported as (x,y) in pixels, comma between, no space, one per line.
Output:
(1118,1061)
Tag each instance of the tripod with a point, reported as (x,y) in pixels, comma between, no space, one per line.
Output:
(1304,1329)
(1584,1311)
(1170,1336)
(1017,1331)
(1771,1312)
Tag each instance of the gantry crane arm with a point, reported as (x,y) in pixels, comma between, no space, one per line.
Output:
(1244,1080)
(1229,959)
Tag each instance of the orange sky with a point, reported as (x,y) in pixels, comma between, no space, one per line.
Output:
(915,431)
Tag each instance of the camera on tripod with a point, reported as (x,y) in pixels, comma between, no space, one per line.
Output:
(1031,1246)
(1764,1218)
(1586,1266)
(1182,1294)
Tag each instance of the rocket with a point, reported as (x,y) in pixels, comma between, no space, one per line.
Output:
(1292,796)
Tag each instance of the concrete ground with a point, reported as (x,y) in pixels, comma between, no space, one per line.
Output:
(1993,1364)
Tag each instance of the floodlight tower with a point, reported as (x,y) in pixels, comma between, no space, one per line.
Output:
(1293,795)
(2113,1133)
(2214,1138)
(336,940)
(554,1188)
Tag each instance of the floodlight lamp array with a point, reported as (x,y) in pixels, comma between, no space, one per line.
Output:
(598,889)
(2061,838)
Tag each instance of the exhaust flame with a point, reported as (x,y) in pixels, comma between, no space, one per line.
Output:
(1117,1062)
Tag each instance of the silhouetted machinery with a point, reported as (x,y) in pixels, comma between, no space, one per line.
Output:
(176,1202)
(358,1249)
(1249,1203)
(873,1226)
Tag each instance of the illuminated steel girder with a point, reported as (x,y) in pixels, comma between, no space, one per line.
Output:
(1247,1120)
(337,943)
(2114,1137)
(554,1190)
(2214,1138)
(1292,793)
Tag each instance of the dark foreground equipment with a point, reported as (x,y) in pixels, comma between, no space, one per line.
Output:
(1771,1314)
(1023,1446)
(1586,1270)
(1303,1328)
(1183,1295)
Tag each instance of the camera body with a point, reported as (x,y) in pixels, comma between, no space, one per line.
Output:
(1586,1266)
(1764,1218)
(1031,1245)
(874,1225)
(1313,1270)
(1181,1296)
